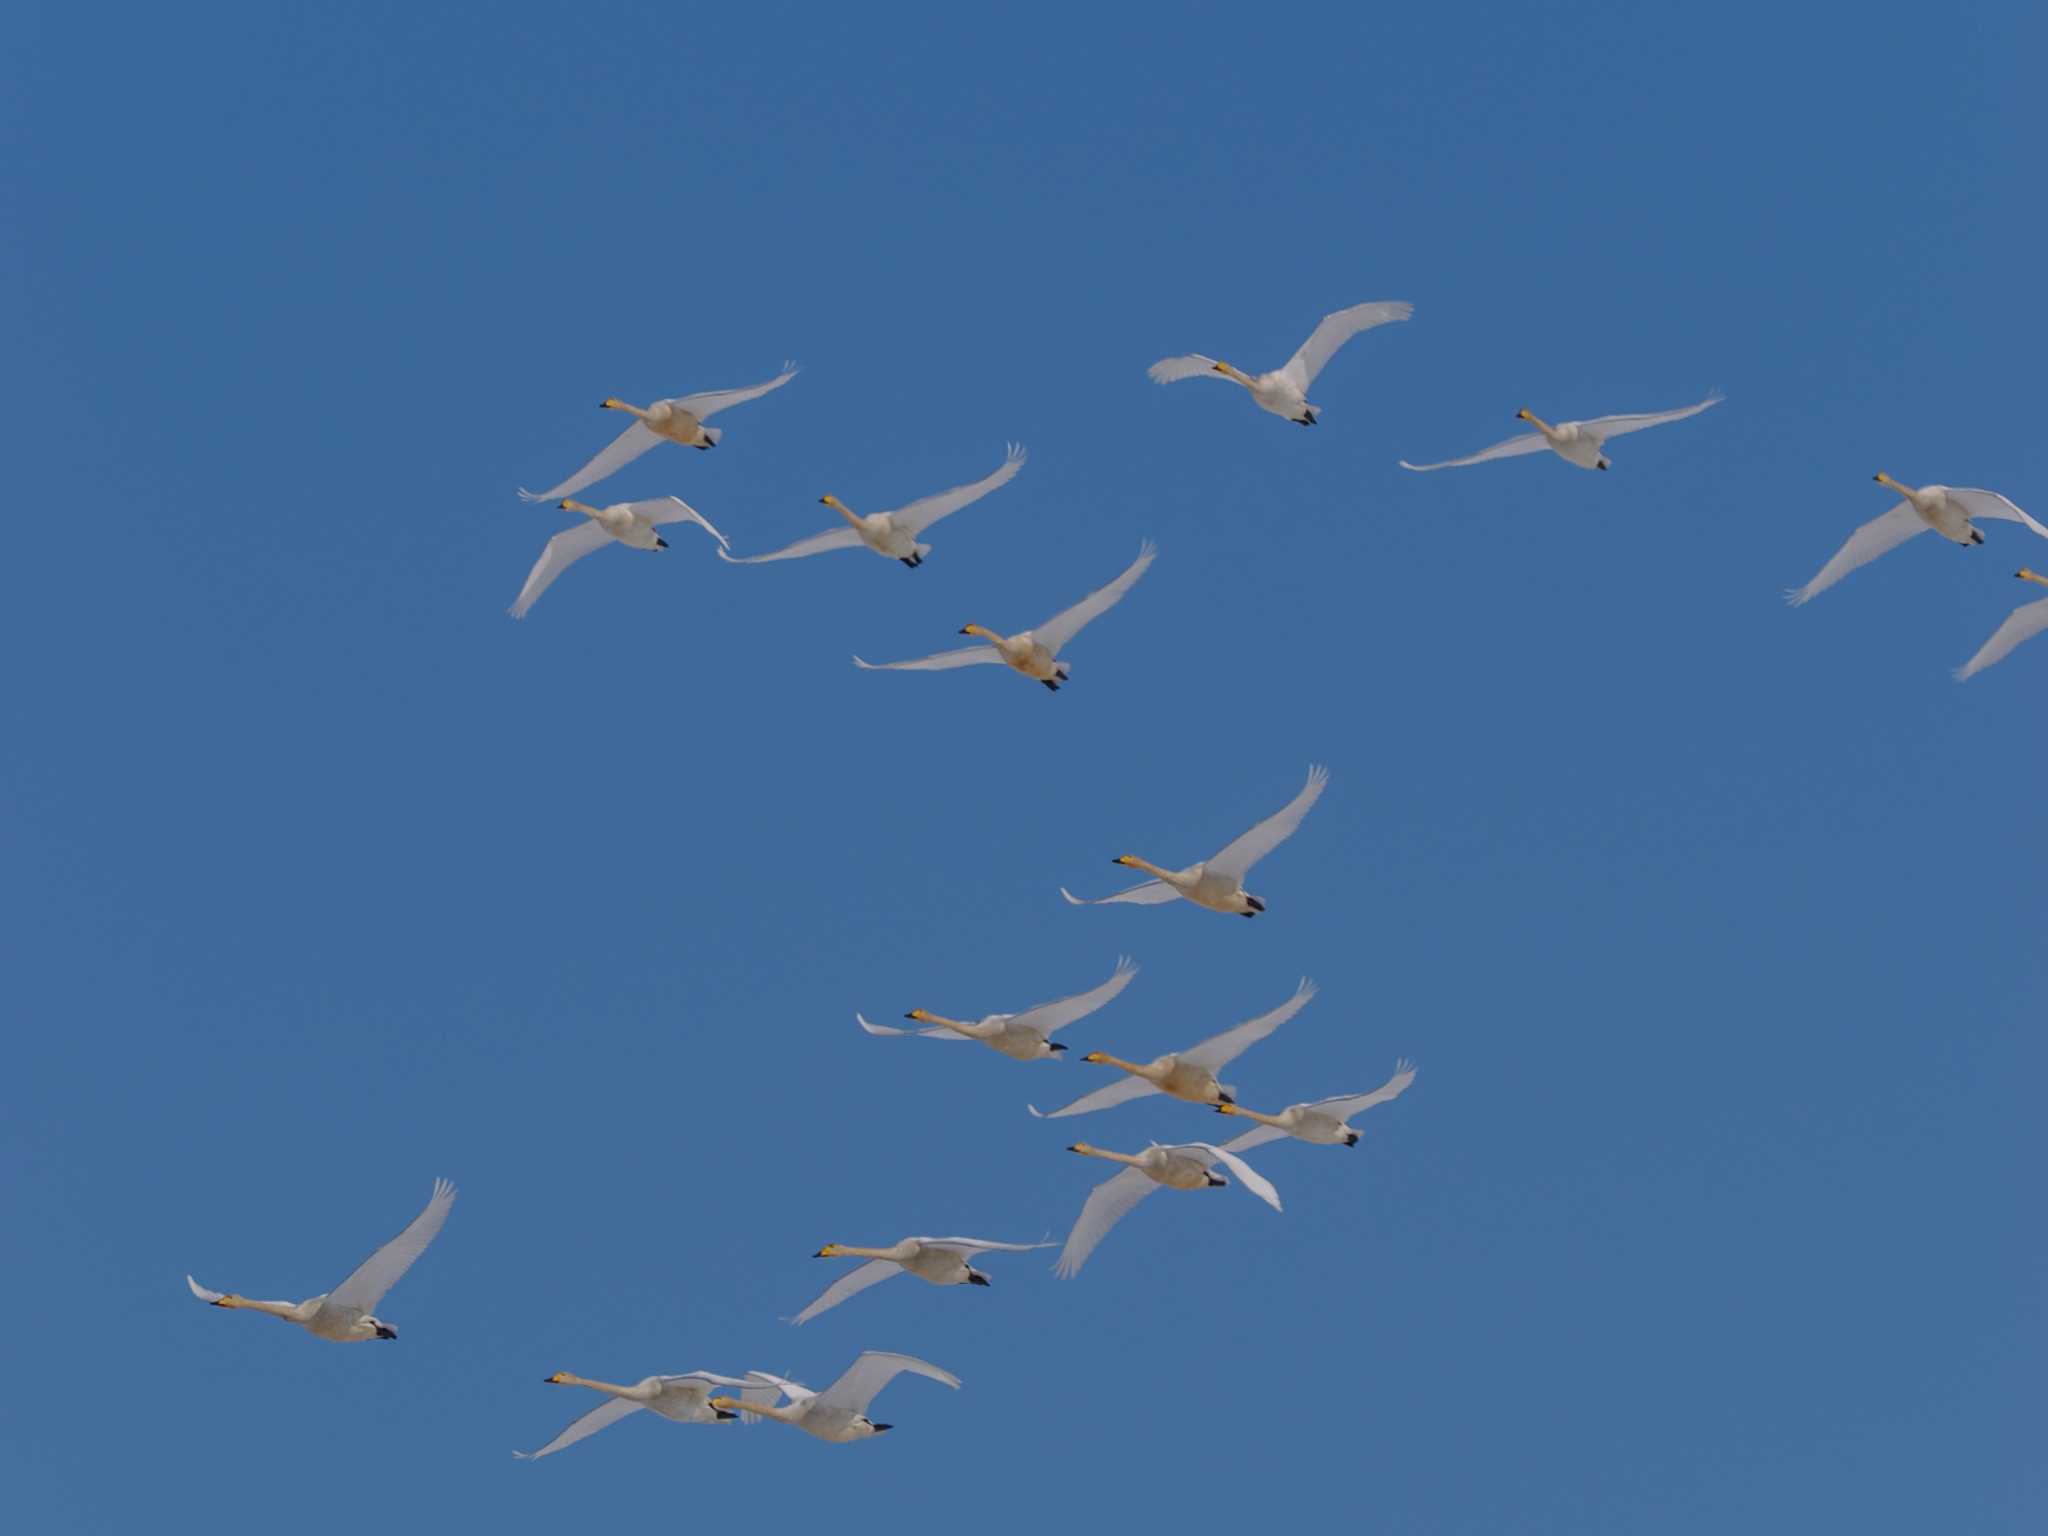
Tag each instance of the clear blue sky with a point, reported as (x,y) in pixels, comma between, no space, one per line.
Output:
(1714,926)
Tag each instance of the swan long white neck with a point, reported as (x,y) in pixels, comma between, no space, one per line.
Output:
(289,1310)
(616,404)
(1916,497)
(846,1251)
(1151,1072)
(955,1025)
(1086,1150)
(2034,576)
(785,1415)
(570,1379)
(1171,877)
(1280,1120)
(843,510)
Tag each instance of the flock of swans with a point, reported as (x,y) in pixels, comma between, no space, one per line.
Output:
(839,1413)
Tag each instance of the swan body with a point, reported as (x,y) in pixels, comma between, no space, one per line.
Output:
(634,524)
(935,1260)
(1284,391)
(1025,1036)
(894,534)
(679,420)
(1217,882)
(2023,623)
(839,1414)
(1324,1122)
(1189,1165)
(1189,1074)
(347,1314)
(685,1399)
(1576,442)
(1034,652)
(1951,511)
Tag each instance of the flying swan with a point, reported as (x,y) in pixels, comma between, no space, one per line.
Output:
(2023,623)
(1025,1036)
(1576,442)
(840,1412)
(1947,509)
(631,523)
(893,534)
(1031,651)
(939,1260)
(346,1314)
(1189,1074)
(1217,882)
(1322,1122)
(1284,391)
(680,420)
(1186,1166)
(684,1398)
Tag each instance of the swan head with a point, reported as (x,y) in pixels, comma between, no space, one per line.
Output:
(613,403)
(829,500)
(559,1379)
(1523,414)
(1129,860)
(975,629)
(1091,1056)
(829,1251)
(1081,1147)
(379,1329)
(1228,1107)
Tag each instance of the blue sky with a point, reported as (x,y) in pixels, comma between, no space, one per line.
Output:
(1714,926)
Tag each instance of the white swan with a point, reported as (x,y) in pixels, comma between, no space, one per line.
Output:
(1189,1074)
(2023,623)
(840,1412)
(680,420)
(1576,442)
(1188,1165)
(346,1314)
(1217,882)
(631,523)
(939,1260)
(1033,652)
(1949,510)
(685,1398)
(892,534)
(1025,1036)
(1322,1122)
(1284,391)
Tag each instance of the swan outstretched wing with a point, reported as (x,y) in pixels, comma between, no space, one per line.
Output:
(1107,1204)
(1992,505)
(383,1269)
(2023,623)
(763,1387)
(711,402)
(980,1245)
(1170,370)
(1507,448)
(873,1371)
(1878,536)
(210,1296)
(942,661)
(1247,1175)
(561,552)
(673,509)
(618,453)
(1048,1017)
(816,544)
(1334,331)
(852,1283)
(1257,1136)
(608,1412)
(1146,893)
(1122,1091)
(936,1032)
(921,514)
(1604,427)
(1063,626)
(1238,858)
(1344,1106)
(1218,1051)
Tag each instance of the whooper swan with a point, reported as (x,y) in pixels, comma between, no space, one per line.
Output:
(631,523)
(1025,1036)
(1217,882)
(1186,1166)
(345,1314)
(1576,442)
(840,1412)
(1033,652)
(892,534)
(2023,623)
(1322,1122)
(1284,391)
(684,1398)
(1189,1074)
(940,1260)
(1949,510)
(680,420)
